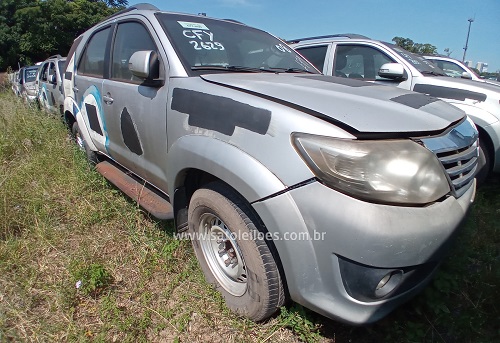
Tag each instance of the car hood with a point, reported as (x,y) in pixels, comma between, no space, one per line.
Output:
(359,107)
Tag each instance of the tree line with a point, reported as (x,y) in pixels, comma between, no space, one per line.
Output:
(32,30)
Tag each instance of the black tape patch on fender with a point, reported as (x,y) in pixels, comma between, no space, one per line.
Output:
(415,100)
(93,120)
(219,113)
(129,133)
(449,93)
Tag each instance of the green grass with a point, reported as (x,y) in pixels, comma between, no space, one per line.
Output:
(61,222)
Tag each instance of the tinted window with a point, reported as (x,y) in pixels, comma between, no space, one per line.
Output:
(130,37)
(359,62)
(43,72)
(205,45)
(61,64)
(316,55)
(30,74)
(450,68)
(92,61)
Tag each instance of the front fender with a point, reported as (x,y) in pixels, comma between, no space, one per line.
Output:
(70,106)
(235,167)
(490,124)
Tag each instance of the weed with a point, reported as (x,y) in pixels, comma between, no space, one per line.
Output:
(90,279)
(61,222)
(298,321)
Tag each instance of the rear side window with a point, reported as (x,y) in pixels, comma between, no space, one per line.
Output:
(130,37)
(92,60)
(316,55)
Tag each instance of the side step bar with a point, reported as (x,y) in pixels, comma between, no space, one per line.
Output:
(143,194)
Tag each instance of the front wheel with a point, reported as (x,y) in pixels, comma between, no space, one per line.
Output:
(231,249)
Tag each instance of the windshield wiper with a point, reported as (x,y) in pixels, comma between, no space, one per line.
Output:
(233,68)
(433,73)
(291,70)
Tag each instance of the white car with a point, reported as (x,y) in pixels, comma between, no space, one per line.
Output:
(456,68)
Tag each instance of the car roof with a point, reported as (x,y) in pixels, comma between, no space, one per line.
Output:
(329,38)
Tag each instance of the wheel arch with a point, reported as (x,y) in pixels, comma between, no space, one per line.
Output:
(196,160)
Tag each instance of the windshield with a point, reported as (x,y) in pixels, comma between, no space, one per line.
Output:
(30,74)
(421,64)
(206,45)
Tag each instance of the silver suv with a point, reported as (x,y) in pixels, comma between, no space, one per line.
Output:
(49,84)
(358,57)
(339,194)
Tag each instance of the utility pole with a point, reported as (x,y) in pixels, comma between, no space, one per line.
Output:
(470,20)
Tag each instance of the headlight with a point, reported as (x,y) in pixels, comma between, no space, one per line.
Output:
(390,171)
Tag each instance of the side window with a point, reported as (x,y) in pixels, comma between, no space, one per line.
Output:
(130,37)
(52,71)
(359,62)
(43,72)
(92,60)
(316,55)
(451,69)
(61,65)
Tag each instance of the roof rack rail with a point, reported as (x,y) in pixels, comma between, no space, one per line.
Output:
(344,35)
(234,21)
(55,56)
(141,6)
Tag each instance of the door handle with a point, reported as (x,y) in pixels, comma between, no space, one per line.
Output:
(107,99)
(75,89)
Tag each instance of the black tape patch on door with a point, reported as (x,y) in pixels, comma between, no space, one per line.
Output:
(129,133)
(219,113)
(93,120)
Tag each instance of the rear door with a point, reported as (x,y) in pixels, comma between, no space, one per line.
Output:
(88,86)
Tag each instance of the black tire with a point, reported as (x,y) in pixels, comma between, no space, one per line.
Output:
(255,289)
(484,163)
(80,142)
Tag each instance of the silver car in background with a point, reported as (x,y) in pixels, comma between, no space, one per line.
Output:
(27,86)
(49,84)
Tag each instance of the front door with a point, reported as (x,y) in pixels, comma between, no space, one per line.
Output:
(135,114)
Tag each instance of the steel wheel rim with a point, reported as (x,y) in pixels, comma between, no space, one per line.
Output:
(79,140)
(223,254)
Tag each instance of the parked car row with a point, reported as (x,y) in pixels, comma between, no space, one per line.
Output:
(293,176)
(41,83)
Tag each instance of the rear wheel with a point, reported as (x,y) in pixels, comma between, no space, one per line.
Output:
(80,142)
(230,246)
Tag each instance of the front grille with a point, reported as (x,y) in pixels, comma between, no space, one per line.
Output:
(461,166)
(458,151)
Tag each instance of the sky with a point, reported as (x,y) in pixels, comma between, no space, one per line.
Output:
(442,23)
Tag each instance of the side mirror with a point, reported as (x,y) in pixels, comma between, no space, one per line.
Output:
(466,75)
(53,79)
(393,71)
(145,65)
